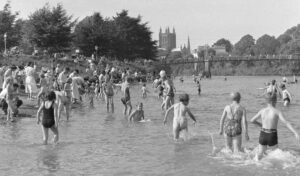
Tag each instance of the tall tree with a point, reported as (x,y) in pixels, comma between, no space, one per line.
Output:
(224,42)
(51,28)
(7,25)
(245,45)
(266,45)
(133,38)
(93,31)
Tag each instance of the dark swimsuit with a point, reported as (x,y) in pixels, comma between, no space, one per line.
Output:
(268,137)
(171,92)
(48,118)
(233,126)
(126,99)
(287,99)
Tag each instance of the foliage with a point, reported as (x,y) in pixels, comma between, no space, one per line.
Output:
(244,46)
(121,37)
(224,42)
(266,45)
(10,26)
(50,29)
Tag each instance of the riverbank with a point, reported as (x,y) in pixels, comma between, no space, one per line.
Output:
(243,68)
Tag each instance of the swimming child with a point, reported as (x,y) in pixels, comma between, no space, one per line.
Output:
(234,117)
(49,118)
(269,121)
(108,90)
(180,121)
(286,96)
(138,114)
(199,87)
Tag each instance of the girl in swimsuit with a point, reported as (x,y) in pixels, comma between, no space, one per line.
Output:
(234,116)
(49,119)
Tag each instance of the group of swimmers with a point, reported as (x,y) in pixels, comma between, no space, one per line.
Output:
(56,94)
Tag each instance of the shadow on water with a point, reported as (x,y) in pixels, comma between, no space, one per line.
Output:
(48,159)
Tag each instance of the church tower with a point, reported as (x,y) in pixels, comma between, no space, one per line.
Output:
(189,46)
(167,40)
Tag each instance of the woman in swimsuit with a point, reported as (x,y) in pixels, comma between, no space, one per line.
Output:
(49,119)
(234,116)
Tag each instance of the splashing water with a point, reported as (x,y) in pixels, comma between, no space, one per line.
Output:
(276,158)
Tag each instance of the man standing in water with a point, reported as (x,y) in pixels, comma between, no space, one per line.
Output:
(269,117)
(235,116)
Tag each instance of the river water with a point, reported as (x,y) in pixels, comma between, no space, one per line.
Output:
(96,143)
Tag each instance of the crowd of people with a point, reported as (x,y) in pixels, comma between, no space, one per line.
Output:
(57,89)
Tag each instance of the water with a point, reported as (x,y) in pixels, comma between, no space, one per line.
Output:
(96,143)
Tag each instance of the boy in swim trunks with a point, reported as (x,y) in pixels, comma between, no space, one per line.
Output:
(180,121)
(269,121)
(286,96)
(234,117)
(138,114)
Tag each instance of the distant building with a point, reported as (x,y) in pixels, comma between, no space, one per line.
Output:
(167,40)
(220,50)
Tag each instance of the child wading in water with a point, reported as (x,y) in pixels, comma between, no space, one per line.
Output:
(108,90)
(180,121)
(49,118)
(286,96)
(234,116)
(269,121)
(199,87)
(68,94)
(138,114)
(144,91)
(43,89)
(126,99)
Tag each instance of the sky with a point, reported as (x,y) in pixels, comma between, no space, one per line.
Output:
(204,21)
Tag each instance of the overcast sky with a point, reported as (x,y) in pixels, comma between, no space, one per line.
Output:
(205,21)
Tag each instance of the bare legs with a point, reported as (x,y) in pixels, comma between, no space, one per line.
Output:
(234,143)
(46,134)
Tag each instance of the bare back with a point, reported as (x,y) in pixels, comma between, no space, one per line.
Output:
(269,118)
(179,111)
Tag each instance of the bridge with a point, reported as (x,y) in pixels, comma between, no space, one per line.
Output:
(208,60)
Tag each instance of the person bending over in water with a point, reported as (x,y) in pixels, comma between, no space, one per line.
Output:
(234,116)
(269,121)
(286,96)
(180,121)
(138,114)
(49,118)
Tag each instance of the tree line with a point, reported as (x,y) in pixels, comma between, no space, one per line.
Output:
(287,43)
(52,29)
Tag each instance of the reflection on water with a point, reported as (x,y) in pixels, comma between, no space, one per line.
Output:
(96,143)
(48,159)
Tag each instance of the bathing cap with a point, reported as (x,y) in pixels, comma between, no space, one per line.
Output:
(235,96)
(162,73)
